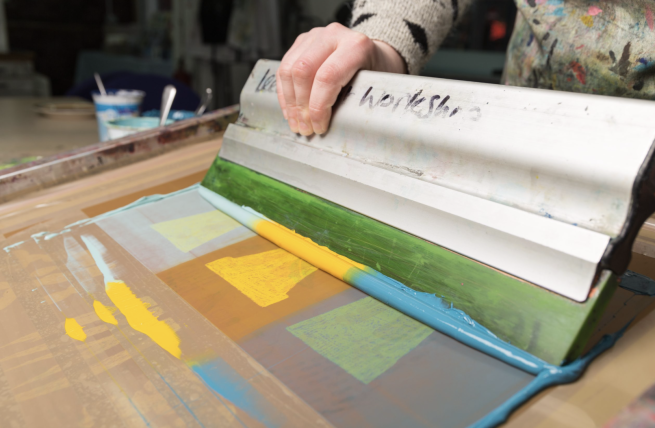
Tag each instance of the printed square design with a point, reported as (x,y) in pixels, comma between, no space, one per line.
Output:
(365,338)
(265,278)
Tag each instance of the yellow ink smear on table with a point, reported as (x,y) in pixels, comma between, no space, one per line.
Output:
(104,313)
(190,232)
(141,319)
(74,329)
(265,278)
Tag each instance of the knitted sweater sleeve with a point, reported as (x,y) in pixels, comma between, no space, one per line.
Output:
(414,28)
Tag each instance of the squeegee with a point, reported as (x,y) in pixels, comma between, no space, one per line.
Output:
(517,207)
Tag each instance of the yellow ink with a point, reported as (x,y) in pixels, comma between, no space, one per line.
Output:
(265,278)
(190,232)
(321,257)
(104,313)
(588,20)
(141,319)
(74,329)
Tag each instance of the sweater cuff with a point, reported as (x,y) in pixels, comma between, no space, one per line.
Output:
(414,29)
(388,31)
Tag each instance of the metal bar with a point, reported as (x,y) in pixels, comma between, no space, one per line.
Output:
(532,182)
(68,166)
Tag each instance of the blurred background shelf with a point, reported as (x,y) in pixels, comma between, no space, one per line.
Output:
(27,134)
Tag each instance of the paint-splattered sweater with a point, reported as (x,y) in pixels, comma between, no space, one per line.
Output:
(594,46)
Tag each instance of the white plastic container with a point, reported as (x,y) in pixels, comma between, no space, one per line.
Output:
(116,104)
(119,128)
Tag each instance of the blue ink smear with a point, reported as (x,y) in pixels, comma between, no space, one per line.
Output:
(221,377)
(638,284)
(548,377)
(143,418)
(557,12)
(434,312)
(531,39)
(9,247)
(555,2)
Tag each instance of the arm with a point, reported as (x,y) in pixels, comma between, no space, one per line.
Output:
(393,36)
(414,28)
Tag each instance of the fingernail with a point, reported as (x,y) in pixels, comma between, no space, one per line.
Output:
(284,112)
(318,129)
(293,124)
(304,128)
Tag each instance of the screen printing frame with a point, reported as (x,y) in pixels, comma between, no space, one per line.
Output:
(94,195)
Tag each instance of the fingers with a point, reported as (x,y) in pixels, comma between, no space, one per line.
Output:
(285,92)
(280,96)
(304,71)
(352,55)
(313,72)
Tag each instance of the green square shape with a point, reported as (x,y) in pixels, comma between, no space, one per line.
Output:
(365,338)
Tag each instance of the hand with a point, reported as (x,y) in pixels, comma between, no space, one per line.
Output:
(318,65)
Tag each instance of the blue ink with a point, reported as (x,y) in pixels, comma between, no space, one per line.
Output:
(37,236)
(550,376)
(49,236)
(638,284)
(143,418)
(9,247)
(531,39)
(186,406)
(433,312)
(139,202)
(224,380)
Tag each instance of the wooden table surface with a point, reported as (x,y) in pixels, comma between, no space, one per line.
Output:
(24,132)
(616,378)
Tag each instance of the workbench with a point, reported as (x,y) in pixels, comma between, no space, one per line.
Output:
(616,378)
